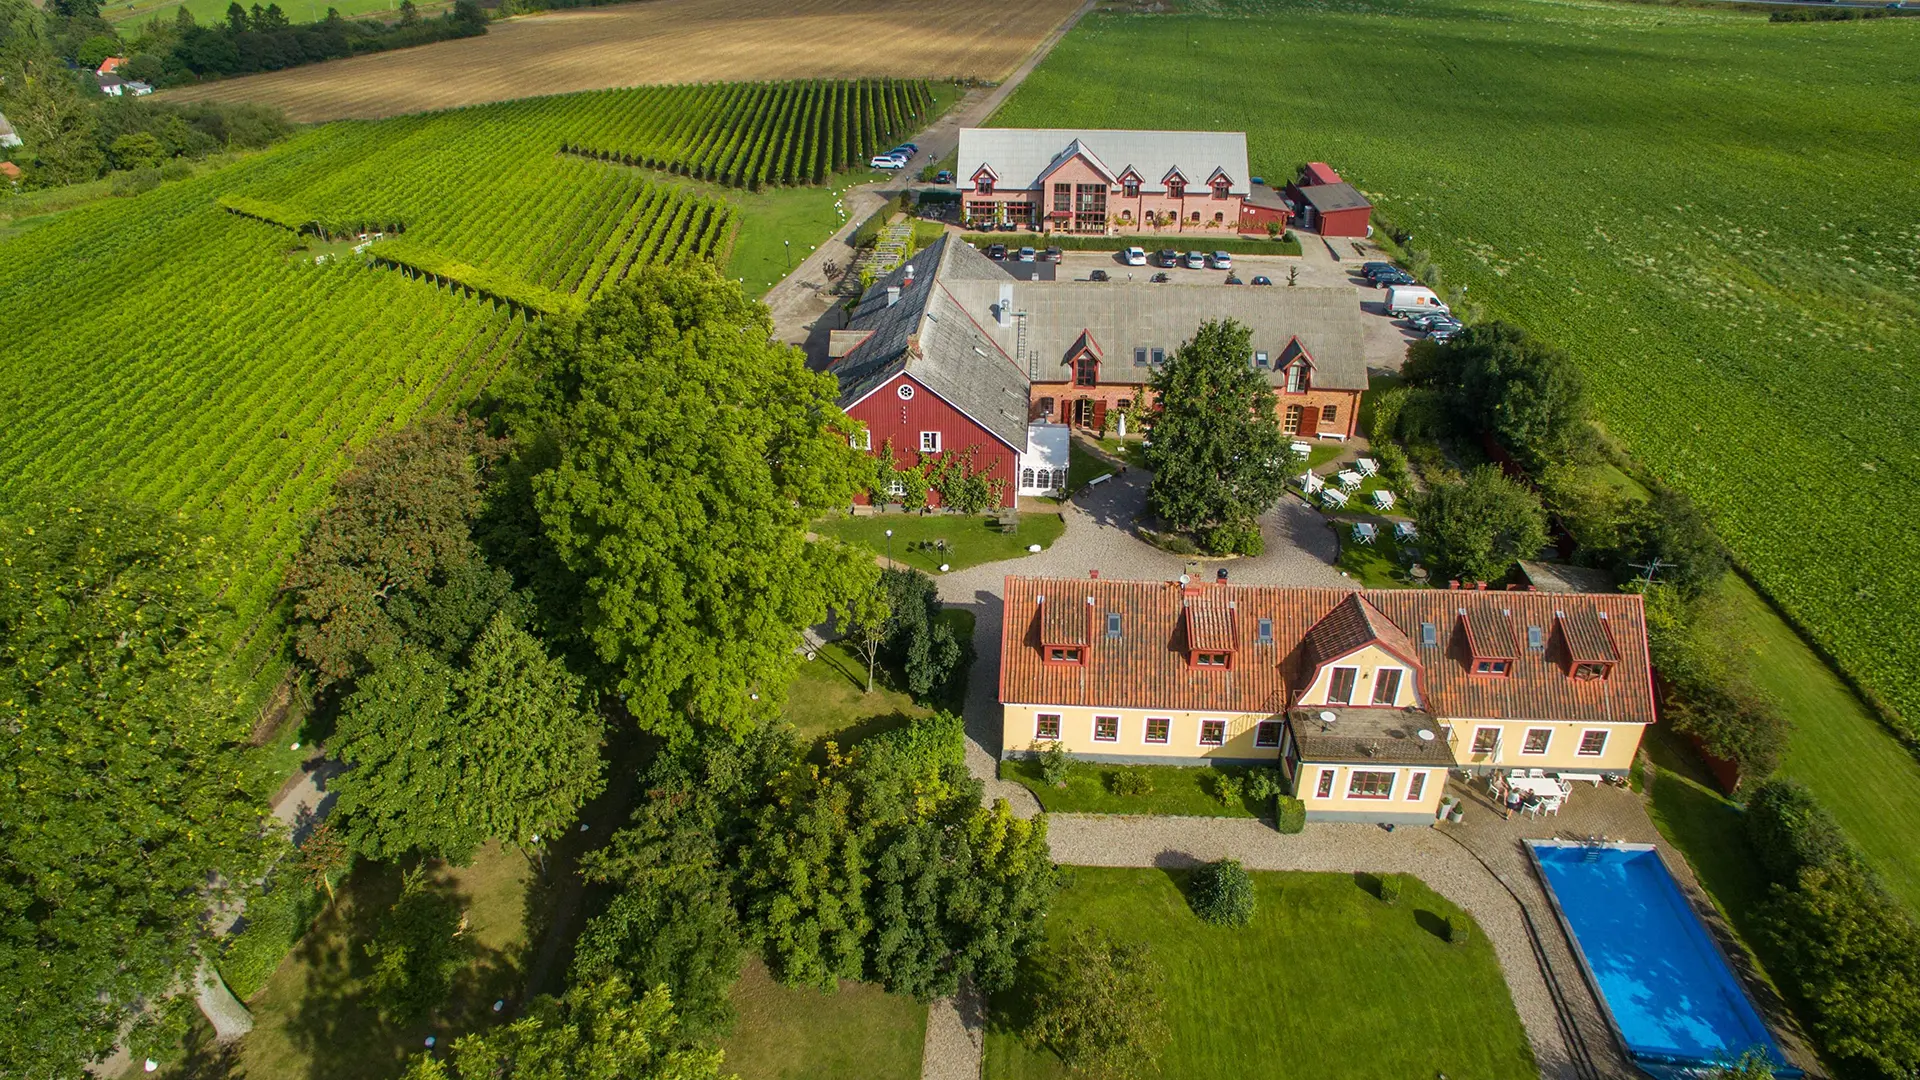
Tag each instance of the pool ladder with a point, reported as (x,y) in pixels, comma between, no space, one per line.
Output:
(1594,845)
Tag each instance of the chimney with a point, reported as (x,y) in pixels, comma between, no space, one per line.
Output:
(1220,575)
(1454,583)
(893,295)
(909,280)
(1480,585)
(1094,574)
(1004,315)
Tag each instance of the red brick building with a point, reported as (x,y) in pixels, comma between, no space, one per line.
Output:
(1329,205)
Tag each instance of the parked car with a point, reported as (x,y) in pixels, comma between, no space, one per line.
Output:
(887,161)
(1444,333)
(1135,256)
(911,148)
(1262,279)
(1168,258)
(944,176)
(1427,320)
(1052,255)
(1412,300)
(1393,276)
(1234,279)
(1159,278)
(1098,275)
(1376,267)
(1222,261)
(1196,261)
(996,251)
(1027,254)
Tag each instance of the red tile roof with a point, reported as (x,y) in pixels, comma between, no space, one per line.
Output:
(1063,619)
(1209,623)
(1585,636)
(1319,172)
(1489,631)
(1146,666)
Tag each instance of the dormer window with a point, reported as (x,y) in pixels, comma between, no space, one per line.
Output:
(1211,659)
(1490,640)
(1220,188)
(1588,641)
(983,186)
(1489,667)
(1086,371)
(1130,187)
(1063,654)
(1176,189)
(1340,686)
(1386,686)
(1591,671)
(1296,378)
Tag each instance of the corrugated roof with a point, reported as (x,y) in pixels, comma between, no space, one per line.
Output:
(1330,197)
(1147,668)
(1124,316)
(929,336)
(1019,156)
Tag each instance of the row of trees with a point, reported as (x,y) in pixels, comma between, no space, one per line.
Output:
(260,39)
(71,132)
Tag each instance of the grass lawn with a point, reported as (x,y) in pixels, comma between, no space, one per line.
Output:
(313,1018)
(1084,465)
(1376,565)
(858,1032)
(829,699)
(1177,790)
(970,540)
(1865,777)
(1327,983)
(1130,450)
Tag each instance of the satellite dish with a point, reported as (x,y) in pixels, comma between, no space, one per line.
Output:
(1425,735)
(1185,580)
(1327,716)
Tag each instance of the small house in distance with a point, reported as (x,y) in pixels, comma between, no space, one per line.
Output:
(110,65)
(1328,204)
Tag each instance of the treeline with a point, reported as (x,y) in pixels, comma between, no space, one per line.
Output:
(71,132)
(256,40)
(1842,946)
(1495,386)
(612,566)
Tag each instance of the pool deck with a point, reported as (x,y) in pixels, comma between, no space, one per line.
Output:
(1617,815)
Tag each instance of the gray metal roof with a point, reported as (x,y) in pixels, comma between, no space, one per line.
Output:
(927,335)
(1122,316)
(1018,156)
(1328,197)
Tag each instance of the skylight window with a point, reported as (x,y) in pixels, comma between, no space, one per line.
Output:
(1113,624)
(1535,639)
(1429,635)
(1266,631)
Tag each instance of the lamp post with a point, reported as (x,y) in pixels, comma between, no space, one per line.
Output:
(788,245)
(889,548)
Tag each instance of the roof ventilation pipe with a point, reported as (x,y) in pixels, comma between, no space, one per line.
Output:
(893,295)
(909,280)
(1004,313)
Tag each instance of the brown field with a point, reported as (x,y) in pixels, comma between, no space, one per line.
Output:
(662,41)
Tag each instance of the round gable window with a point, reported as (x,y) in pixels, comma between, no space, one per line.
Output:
(905,391)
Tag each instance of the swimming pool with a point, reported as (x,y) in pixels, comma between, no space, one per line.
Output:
(1662,981)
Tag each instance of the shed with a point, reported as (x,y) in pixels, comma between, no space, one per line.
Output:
(1335,209)
(1317,173)
(1262,205)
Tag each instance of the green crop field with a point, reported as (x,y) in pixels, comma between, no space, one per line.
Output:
(1718,216)
(185,347)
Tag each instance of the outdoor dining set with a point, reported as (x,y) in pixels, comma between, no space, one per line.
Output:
(1532,791)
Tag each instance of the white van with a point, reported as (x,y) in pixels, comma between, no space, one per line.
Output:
(1412,300)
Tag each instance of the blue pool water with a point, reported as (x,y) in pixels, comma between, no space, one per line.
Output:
(1664,981)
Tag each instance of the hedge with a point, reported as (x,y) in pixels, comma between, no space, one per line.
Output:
(274,923)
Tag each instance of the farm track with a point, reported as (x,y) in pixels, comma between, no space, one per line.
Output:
(663,41)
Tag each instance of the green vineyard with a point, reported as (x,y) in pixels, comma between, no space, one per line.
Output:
(218,345)
(755,134)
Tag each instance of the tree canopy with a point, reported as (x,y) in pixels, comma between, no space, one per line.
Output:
(1217,454)
(1502,381)
(121,776)
(1099,1005)
(505,746)
(673,456)
(1475,529)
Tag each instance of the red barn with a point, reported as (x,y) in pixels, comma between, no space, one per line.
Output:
(925,380)
(1328,204)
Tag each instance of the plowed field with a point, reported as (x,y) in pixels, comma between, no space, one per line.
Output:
(662,41)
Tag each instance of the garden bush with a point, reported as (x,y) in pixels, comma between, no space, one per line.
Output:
(1055,765)
(1789,831)
(1175,544)
(1240,538)
(1223,894)
(1390,889)
(275,921)
(1459,929)
(1289,814)
(1131,782)
(1227,787)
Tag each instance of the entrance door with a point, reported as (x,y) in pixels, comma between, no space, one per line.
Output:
(1099,415)
(1082,411)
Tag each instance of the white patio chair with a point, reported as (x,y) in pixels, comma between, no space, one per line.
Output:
(1540,774)
(1303,449)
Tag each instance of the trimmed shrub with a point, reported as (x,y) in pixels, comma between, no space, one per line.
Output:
(1242,538)
(1055,766)
(1131,782)
(1459,929)
(1223,894)
(1390,889)
(1790,830)
(1289,814)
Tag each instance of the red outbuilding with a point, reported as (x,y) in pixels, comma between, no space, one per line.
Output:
(1327,204)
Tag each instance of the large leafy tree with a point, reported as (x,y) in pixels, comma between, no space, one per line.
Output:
(918,642)
(1099,1005)
(123,806)
(393,558)
(506,746)
(598,1031)
(1217,453)
(674,454)
(1502,381)
(1475,529)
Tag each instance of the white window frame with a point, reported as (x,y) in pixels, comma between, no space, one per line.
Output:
(1296,382)
(897,489)
(1416,784)
(929,442)
(1545,747)
(1116,729)
(1201,736)
(1400,676)
(861,440)
(1038,718)
(1605,738)
(1393,783)
(1333,674)
(1498,733)
(1146,731)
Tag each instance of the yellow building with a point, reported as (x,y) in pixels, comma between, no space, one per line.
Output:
(1363,699)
